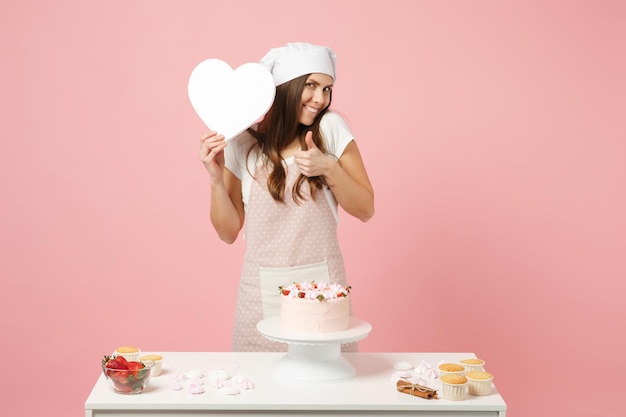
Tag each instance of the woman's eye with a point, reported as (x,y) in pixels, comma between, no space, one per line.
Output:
(328,89)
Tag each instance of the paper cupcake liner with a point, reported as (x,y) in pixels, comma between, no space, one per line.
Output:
(475,387)
(477,366)
(156,371)
(131,357)
(473,368)
(454,392)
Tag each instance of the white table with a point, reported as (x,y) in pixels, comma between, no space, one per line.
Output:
(370,393)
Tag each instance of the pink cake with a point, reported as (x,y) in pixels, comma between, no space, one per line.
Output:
(314,308)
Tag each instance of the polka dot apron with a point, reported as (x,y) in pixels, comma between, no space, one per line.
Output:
(285,243)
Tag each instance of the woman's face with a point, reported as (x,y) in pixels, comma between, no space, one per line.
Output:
(315,97)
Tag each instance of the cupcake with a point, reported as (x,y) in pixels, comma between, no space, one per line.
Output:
(473,364)
(131,353)
(454,387)
(451,369)
(479,382)
(157,359)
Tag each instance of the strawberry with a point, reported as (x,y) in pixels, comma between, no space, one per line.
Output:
(123,386)
(120,358)
(134,368)
(120,377)
(113,363)
(345,292)
(300,294)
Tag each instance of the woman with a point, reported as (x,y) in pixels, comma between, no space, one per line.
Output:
(285,177)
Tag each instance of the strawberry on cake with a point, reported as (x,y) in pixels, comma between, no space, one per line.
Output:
(312,307)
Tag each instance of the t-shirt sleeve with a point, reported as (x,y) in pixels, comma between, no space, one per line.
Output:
(336,133)
(236,152)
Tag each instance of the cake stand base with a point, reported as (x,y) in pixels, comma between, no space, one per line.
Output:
(313,358)
(312,363)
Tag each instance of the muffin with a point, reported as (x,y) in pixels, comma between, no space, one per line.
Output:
(451,369)
(479,382)
(473,364)
(453,387)
(131,353)
(157,359)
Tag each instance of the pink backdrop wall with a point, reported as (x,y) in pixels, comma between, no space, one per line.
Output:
(493,133)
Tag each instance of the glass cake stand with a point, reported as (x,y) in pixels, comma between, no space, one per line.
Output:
(313,357)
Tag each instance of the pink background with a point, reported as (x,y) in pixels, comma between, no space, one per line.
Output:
(493,133)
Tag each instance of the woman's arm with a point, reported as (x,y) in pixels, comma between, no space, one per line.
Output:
(346,178)
(227,212)
(350,184)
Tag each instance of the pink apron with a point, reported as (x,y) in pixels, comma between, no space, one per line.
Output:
(285,243)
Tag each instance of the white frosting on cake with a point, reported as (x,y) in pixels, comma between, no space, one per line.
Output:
(314,308)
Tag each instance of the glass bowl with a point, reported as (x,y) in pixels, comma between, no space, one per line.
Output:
(129,381)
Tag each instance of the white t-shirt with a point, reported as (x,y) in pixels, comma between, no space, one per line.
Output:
(335,133)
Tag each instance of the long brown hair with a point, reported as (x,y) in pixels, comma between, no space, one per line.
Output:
(277,130)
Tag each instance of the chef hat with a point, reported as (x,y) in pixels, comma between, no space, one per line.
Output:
(296,59)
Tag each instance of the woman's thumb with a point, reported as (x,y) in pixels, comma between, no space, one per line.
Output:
(308,138)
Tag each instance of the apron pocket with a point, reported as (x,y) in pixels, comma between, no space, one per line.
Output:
(272,278)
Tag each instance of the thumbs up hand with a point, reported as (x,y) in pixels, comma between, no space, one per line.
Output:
(309,141)
(312,162)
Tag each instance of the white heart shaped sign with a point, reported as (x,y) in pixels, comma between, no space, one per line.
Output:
(228,101)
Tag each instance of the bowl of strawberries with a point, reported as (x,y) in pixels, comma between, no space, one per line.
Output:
(126,377)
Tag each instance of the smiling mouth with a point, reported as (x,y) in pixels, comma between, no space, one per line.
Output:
(311,109)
